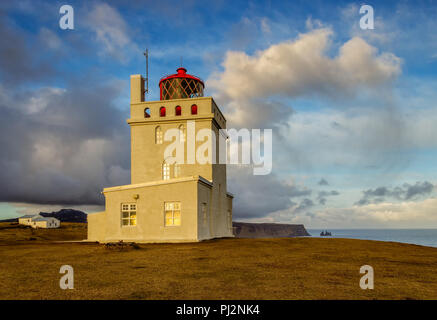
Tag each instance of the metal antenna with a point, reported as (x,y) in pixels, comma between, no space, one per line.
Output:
(181,61)
(146,54)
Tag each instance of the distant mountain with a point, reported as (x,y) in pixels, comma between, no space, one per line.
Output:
(67,215)
(63,215)
(10,220)
(268,230)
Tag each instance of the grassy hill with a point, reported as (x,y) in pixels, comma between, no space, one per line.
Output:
(286,268)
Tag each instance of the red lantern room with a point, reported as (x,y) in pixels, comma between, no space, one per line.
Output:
(180,86)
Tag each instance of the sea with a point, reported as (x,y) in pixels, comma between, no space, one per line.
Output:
(423,237)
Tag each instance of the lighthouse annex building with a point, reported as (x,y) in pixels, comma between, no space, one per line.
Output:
(167,202)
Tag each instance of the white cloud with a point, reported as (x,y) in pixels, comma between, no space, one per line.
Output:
(111,31)
(357,137)
(252,89)
(303,67)
(311,23)
(256,84)
(347,138)
(422,214)
(411,214)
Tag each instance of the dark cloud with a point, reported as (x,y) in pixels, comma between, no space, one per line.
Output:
(304,205)
(365,201)
(323,182)
(380,192)
(328,193)
(321,197)
(21,60)
(405,192)
(257,196)
(418,189)
(62,146)
(311,215)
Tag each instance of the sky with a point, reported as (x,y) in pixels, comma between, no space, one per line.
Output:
(353,111)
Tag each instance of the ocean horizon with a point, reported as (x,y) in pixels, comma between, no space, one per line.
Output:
(423,237)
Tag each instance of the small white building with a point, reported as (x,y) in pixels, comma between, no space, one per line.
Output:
(38,221)
(44,222)
(27,219)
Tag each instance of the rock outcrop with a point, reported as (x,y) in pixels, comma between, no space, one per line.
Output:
(67,215)
(268,230)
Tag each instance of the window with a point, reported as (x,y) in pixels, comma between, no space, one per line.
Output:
(172,214)
(165,171)
(147,113)
(128,214)
(162,111)
(178,110)
(177,170)
(194,109)
(181,133)
(158,135)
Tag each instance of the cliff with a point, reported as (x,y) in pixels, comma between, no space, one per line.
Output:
(268,230)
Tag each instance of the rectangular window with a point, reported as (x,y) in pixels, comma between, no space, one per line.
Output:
(165,171)
(128,214)
(158,135)
(172,214)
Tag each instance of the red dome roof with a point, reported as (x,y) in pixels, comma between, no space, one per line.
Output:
(182,73)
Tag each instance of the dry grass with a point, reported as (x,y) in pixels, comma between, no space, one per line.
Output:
(14,233)
(293,268)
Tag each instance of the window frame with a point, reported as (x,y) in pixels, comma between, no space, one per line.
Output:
(158,135)
(131,209)
(173,213)
(166,171)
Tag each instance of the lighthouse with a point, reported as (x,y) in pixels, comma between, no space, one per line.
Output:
(168,201)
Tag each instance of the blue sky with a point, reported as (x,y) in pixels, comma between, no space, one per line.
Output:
(64,97)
